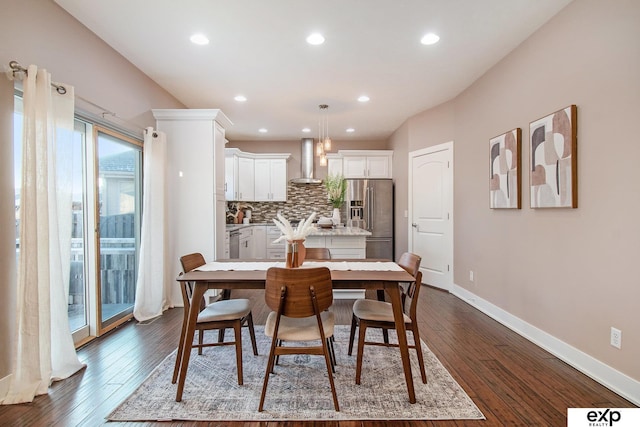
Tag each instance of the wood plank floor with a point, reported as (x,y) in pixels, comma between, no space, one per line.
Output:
(512,381)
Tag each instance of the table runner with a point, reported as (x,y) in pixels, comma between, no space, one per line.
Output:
(331,265)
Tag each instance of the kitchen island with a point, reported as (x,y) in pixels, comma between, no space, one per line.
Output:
(342,242)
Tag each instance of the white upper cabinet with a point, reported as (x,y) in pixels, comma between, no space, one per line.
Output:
(255,177)
(246,182)
(231,177)
(334,164)
(271,180)
(366,163)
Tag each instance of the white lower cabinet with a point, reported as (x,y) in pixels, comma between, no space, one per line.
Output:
(259,241)
(246,243)
(342,247)
(274,250)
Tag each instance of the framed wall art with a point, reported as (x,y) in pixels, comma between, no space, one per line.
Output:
(505,170)
(553,160)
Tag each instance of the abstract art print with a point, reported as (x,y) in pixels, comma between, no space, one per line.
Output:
(505,170)
(553,166)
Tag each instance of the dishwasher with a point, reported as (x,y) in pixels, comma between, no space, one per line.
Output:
(234,244)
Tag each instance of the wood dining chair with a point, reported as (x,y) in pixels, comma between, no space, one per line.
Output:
(299,298)
(369,313)
(317,254)
(222,314)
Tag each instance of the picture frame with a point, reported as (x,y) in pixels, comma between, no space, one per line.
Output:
(553,178)
(505,171)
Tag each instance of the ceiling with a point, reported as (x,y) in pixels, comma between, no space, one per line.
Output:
(257,48)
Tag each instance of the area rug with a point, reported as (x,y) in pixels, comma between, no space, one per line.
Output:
(299,389)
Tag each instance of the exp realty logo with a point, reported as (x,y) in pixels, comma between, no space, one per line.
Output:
(603,417)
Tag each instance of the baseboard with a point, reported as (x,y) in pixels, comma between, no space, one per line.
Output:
(614,380)
(4,386)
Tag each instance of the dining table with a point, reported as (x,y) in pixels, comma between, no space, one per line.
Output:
(374,274)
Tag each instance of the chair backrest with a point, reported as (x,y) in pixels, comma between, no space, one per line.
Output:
(412,293)
(411,263)
(317,253)
(297,283)
(190,262)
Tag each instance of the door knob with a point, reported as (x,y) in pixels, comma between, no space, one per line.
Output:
(414,225)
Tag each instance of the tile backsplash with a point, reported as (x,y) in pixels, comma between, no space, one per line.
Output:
(302,200)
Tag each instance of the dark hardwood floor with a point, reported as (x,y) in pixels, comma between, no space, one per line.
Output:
(511,380)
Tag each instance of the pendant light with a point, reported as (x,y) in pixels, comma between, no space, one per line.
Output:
(324,141)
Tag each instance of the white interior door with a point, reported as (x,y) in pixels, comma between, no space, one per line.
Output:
(431,212)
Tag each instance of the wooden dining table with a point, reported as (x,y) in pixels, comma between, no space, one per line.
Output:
(365,278)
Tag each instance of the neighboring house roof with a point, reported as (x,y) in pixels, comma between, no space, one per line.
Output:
(121,162)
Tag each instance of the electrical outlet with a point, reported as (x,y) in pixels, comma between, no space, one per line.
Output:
(616,337)
(471,275)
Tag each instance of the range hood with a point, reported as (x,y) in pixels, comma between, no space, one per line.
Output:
(307,164)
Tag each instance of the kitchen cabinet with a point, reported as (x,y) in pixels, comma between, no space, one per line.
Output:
(195,149)
(246,243)
(270,180)
(255,177)
(367,163)
(238,176)
(246,181)
(274,250)
(259,241)
(341,247)
(334,164)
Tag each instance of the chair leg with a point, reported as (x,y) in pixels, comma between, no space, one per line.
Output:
(416,338)
(252,333)
(221,335)
(332,341)
(270,362)
(237,327)
(327,359)
(176,368)
(385,333)
(278,344)
(200,341)
(361,336)
(332,356)
(352,334)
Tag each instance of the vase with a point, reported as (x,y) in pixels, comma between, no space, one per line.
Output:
(295,253)
(336,216)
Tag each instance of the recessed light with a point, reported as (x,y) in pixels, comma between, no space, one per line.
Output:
(315,39)
(263,130)
(350,130)
(306,130)
(199,39)
(240,98)
(363,98)
(429,38)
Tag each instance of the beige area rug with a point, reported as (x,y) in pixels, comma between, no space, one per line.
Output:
(299,389)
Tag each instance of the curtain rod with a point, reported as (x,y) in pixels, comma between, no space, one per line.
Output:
(17,68)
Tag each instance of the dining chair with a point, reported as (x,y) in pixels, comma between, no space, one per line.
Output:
(299,298)
(317,254)
(369,313)
(222,314)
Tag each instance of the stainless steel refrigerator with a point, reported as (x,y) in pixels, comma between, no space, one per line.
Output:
(369,204)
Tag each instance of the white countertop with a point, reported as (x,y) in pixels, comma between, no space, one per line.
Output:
(337,231)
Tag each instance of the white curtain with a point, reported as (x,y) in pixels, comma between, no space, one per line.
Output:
(153,295)
(43,350)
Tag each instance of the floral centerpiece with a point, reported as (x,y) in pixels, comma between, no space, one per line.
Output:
(291,234)
(336,187)
(294,237)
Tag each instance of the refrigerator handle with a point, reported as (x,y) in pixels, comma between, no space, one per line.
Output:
(371,201)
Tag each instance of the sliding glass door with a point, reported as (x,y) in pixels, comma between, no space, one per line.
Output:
(118,213)
(105,231)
